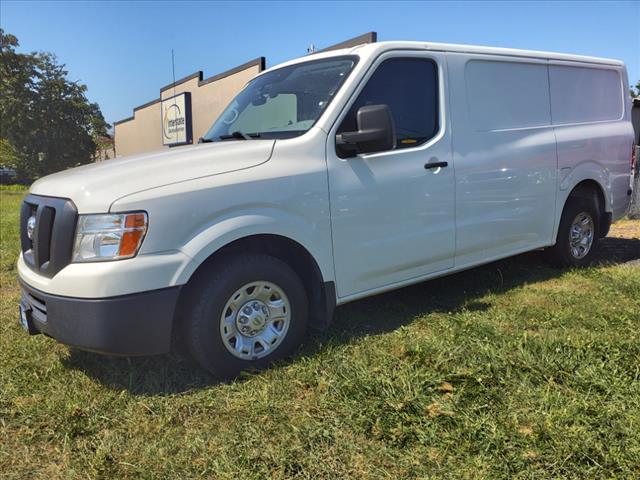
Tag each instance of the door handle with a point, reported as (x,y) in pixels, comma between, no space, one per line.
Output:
(436,165)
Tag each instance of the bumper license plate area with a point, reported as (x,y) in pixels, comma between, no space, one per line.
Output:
(26,320)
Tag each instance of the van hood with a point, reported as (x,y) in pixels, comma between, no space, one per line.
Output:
(93,188)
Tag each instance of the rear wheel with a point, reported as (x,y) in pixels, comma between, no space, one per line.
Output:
(578,233)
(246,313)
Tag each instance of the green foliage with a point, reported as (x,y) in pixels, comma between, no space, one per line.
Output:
(14,188)
(8,154)
(509,371)
(636,92)
(45,117)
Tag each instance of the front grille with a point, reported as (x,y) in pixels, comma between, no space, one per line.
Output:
(49,249)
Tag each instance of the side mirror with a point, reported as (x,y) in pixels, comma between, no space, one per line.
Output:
(376,132)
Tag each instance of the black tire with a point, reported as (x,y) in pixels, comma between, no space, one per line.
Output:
(208,296)
(562,254)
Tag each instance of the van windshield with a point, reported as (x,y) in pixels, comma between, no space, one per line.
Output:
(283,103)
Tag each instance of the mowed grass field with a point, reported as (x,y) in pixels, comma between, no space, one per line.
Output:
(512,370)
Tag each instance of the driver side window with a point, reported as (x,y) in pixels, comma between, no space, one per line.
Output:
(409,86)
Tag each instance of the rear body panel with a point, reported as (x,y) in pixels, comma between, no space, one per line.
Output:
(506,165)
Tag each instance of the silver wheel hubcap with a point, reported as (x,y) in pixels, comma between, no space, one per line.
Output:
(255,320)
(581,235)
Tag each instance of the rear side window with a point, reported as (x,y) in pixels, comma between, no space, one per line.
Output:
(409,86)
(507,95)
(580,94)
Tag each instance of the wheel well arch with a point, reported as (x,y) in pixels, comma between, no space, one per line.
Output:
(321,295)
(592,190)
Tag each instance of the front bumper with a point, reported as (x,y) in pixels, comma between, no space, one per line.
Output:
(135,324)
(142,273)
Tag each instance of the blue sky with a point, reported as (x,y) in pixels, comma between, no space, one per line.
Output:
(122,50)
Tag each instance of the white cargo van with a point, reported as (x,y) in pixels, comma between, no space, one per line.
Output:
(327,179)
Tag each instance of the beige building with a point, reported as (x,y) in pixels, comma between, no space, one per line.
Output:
(184,111)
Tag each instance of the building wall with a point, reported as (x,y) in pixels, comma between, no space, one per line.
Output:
(140,133)
(105,152)
(143,133)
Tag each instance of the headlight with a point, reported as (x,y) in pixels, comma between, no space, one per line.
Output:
(109,236)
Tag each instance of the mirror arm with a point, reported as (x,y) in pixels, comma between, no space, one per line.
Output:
(353,138)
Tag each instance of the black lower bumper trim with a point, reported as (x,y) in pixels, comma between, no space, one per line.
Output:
(136,324)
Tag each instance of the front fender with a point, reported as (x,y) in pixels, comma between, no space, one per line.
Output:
(241,224)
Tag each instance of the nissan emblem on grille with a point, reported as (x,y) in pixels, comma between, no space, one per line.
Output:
(31,226)
(47,226)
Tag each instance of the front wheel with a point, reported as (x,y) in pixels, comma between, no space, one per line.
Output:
(245,313)
(578,234)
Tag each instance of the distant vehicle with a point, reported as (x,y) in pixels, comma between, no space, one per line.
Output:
(635,118)
(7,175)
(634,209)
(327,179)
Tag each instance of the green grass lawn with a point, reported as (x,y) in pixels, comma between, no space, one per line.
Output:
(513,370)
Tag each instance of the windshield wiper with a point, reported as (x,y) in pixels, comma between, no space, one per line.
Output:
(240,136)
(237,135)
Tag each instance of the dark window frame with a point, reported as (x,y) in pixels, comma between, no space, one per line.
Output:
(367,78)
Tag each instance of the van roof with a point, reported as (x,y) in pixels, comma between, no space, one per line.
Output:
(374,49)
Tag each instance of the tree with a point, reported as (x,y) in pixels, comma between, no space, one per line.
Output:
(8,156)
(45,117)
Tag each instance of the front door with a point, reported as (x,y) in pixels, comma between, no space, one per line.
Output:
(392,214)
